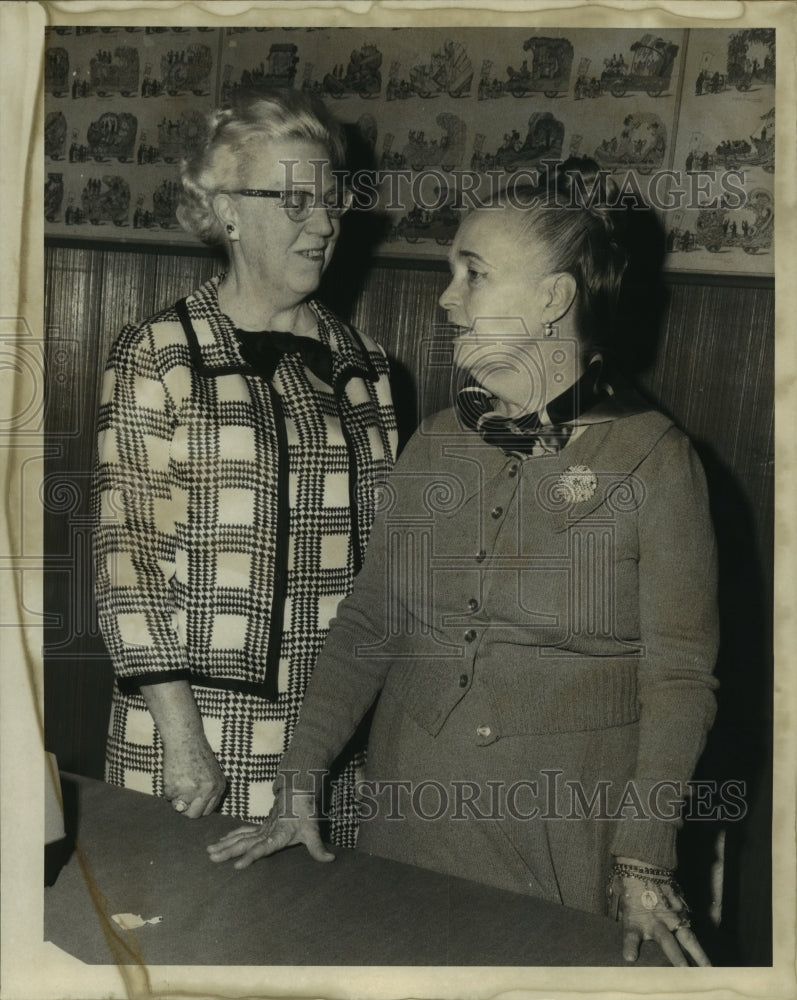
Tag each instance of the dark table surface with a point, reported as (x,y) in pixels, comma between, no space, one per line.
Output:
(134,854)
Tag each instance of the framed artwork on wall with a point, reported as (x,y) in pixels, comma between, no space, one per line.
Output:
(442,118)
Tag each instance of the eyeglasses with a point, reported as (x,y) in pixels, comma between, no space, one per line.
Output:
(298,203)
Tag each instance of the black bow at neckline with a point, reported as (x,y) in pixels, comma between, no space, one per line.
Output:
(264,349)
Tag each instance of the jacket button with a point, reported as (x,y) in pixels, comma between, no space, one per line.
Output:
(481,556)
(483,731)
(473,604)
(470,635)
(512,470)
(463,680)
(496,512)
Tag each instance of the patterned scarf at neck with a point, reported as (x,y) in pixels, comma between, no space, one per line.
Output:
(525,433)
(264,350)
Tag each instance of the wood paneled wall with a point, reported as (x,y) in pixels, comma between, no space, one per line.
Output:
(710,365)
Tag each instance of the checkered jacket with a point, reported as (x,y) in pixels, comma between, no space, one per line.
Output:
(191,466)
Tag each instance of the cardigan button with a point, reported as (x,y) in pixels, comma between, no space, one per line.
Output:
(473,604)
(483,731)
(496,512)
(463,680)
(512,470)
(481,556)
(470,635)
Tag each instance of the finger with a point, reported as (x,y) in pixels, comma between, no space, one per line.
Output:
(669,946)
(676,904)
(212,805)
(223,850)
(631,946)
(196,807)
(238,832)
(263,847)
(316,849)
(687,939)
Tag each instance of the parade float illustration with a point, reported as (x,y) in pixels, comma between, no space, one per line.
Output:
(549,73)
(112,136)
(187,71)
(649,70)
(543,141)
(106,200)
(421,224)
(165,199)
(278,70)
(114,72)
(490,87)
(641,144)
(419,153)
(56,71)
(362,76)
(751,227)
(738,153)
(708,79)
(53,196)
(751,58)
(449,71)
(55,135)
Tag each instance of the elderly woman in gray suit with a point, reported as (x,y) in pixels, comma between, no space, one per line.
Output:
(536,618)
(242,435)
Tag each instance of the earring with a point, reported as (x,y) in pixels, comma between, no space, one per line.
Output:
(230,229)
(550,330)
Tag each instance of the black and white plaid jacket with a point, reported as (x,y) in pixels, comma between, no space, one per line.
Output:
(192,465)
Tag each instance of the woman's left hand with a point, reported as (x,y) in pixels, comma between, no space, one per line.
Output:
(285,827)
(656,913)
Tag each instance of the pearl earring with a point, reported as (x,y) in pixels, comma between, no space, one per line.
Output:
(550,330)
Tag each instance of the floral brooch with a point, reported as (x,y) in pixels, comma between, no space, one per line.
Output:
(576,484)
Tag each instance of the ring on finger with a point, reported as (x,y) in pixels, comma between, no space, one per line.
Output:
(684,924)
(180,806)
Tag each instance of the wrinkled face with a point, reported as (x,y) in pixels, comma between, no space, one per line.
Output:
(288,257)
(497,296)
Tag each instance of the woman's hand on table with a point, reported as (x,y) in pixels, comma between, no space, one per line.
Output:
(283,828)
(651,911)
(192,780)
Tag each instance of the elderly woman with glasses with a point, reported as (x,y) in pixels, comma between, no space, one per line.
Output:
(242,434)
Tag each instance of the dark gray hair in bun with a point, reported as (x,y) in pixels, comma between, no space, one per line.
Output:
(576,213)
(221,159)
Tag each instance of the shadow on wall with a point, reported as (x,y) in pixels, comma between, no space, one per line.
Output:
(725,852)
(734,813)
